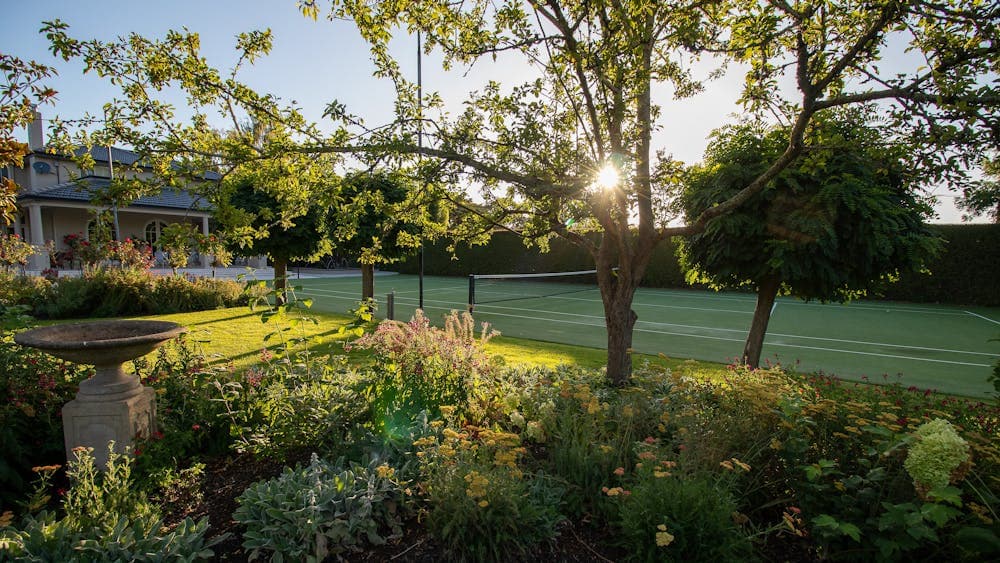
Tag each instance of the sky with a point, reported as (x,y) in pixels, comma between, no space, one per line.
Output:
(312,63)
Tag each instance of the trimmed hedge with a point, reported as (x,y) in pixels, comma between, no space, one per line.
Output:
(967,272)
(506,254)
(114,293)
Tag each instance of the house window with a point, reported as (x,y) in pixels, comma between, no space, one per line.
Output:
(153,231)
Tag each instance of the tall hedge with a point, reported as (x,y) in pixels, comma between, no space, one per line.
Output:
(966,273)
(506,254)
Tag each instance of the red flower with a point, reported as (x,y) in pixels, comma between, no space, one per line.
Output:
(196,427)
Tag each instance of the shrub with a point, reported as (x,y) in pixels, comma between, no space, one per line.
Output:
(663,515)
(420,368)
(846,469)
(33,388)
(105,520)
(111,292)
(309,513)
(587,427)
(936,456)
(481,505)
(294,400)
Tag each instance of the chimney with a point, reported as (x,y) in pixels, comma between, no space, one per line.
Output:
(36,134)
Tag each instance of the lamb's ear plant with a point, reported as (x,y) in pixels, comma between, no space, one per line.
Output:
(310,513)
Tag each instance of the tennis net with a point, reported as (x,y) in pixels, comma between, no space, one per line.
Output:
(494,288)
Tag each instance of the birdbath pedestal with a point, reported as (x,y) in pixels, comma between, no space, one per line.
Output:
(112,404)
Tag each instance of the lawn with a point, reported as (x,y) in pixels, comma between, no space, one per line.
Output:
(238,335)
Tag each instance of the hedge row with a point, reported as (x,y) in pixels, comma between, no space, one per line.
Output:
(967,272)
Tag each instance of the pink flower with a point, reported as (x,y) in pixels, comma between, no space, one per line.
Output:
(620,471)
(196,427)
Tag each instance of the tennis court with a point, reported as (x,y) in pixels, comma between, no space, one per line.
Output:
(929,346)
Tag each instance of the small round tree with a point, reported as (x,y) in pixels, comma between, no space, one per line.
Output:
(842,220)
(258,216)
(372,225)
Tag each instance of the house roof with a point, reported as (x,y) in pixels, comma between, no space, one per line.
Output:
(82,190)
(119,156)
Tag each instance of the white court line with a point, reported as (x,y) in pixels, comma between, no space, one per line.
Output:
(796,303)
(894,356)
(433,289)
(982,317)
(773,307)
(741,331)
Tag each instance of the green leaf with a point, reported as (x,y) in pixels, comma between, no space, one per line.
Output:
(978,540)
(949,494)
(939,514)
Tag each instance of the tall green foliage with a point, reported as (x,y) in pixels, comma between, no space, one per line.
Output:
(373,224)
(841,221)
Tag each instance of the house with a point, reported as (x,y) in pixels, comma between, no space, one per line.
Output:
(55,199)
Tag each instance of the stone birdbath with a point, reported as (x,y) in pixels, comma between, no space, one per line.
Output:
(112,404)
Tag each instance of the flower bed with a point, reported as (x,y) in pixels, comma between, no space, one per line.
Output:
(431,449)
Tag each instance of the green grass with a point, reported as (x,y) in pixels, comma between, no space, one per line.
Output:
(238,335)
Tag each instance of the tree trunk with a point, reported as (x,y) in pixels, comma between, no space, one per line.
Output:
(280,281)
(367,281)
(620,320)
(767,290)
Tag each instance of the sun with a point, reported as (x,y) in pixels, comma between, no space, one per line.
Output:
(607,177)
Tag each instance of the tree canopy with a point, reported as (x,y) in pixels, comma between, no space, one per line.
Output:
(367,224)
(21,89)
(602,72)
(838,223)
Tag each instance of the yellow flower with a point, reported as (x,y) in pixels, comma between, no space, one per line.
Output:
(436,423)
(661,474)
(628,412)
(727,464)
(449,433)
(447,410)
(663,537)
(775,444)
(6,519)
(484,503)
(606,448)
(839,486)
(741,465)
(384,471)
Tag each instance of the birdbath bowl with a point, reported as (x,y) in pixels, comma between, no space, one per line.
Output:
(106,345)
(111,406)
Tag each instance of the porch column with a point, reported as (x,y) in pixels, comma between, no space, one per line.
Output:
(40,259)
(206,259)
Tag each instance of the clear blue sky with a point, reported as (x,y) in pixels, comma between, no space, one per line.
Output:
(311,62)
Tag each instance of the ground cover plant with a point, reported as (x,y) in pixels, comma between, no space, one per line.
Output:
(425,446)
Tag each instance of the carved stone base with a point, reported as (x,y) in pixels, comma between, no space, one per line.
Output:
(92,421)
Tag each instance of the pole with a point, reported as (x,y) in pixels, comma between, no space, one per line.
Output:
(420,156)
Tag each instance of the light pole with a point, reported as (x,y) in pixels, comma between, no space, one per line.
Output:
(420,156)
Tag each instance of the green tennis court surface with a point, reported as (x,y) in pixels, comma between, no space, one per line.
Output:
(929,346)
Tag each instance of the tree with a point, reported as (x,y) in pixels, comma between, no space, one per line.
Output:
(20,90)
(601,70)
(367,223)
(839,222)
(254,211)
(983,197)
